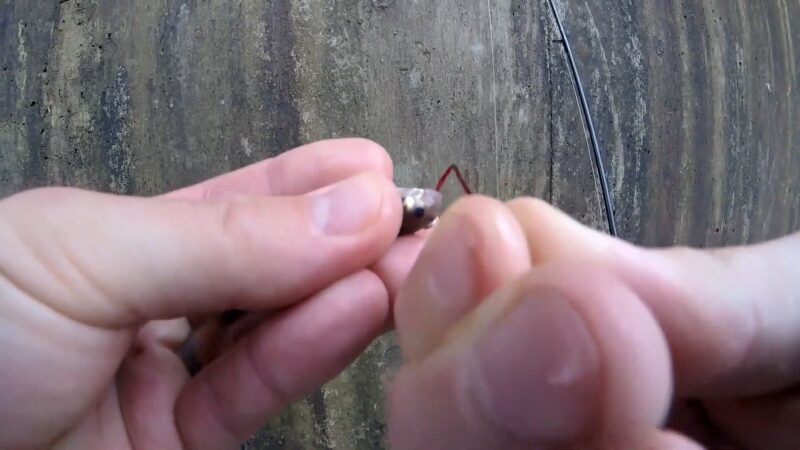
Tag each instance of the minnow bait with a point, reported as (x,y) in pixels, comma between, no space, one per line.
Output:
(422,207)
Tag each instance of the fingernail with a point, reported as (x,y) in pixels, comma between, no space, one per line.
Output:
(534,374)
(347,207)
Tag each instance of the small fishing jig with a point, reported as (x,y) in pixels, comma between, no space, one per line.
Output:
(422,207)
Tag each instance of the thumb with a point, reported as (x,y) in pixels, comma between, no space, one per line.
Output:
(543,363)
(117,261)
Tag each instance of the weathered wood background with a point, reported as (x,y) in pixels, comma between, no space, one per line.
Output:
(697,104)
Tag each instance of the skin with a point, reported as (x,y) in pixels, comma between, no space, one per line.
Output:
(520,327)
(96,291)
(542,333)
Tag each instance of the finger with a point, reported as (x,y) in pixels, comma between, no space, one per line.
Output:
(654,439)
(169,333)
(298,171)
(216,337)
(114,262)
(280,361)
(668,440)
(295,172)
(769,422)
(476,248)
(561,358)
(149,382)
(732,316)
(553,235)
(393,269)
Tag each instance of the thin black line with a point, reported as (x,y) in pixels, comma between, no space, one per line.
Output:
(587,118)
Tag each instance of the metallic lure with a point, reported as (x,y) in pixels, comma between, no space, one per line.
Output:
(421,209)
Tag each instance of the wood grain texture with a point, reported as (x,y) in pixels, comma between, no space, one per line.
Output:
(696,103)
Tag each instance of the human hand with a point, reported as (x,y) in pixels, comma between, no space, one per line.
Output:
(523,329)
(94,291)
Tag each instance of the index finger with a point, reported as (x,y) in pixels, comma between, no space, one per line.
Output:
(297,171)
(731,316)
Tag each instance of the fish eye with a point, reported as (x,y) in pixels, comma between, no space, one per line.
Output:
(419,212)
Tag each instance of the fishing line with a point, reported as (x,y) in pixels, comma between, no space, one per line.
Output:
(588,122)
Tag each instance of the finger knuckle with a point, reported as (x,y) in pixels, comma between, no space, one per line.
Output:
(45,197)
(237,221)
(275,384)
(473,203)
(530,206)
(374,154)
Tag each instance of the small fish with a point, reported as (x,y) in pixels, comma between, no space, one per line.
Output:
(421,209)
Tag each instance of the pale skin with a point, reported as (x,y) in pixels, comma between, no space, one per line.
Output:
(520,328)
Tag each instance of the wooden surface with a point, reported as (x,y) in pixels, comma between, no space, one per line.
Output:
(696,104)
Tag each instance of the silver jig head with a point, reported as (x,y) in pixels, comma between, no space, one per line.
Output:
(421,209)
